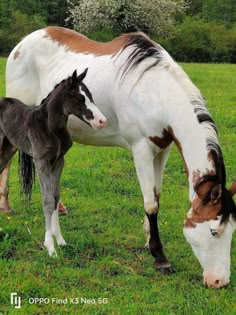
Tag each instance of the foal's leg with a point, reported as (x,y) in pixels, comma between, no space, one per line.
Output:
(144,159)
(44,172)
(56,175)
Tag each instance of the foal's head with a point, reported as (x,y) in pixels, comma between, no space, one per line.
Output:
(79,101)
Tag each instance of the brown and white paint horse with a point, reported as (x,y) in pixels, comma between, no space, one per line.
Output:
(149,103)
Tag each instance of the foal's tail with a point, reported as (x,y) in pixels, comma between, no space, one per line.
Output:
(26,173)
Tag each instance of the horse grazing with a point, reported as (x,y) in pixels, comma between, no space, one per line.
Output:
(41,133)
(150,103)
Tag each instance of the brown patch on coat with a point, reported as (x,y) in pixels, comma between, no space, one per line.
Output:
(196,175)
(17,53)
(76,42)
(201,212)
(164,141)
(171,132)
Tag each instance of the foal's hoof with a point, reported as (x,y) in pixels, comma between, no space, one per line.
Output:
(164,268)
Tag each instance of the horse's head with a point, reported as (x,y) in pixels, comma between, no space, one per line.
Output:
(208,228)
(79,101)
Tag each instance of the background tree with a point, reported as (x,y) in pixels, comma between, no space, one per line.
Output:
(151,16)
(223,11)
(20,17)
(192,30)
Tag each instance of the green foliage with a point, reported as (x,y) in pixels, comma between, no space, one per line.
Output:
(151,16)
(105,256)
(223,11)
(196,30)
(19,18)
(21,24)
(199,41)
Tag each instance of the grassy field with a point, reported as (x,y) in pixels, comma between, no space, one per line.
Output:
(105,256)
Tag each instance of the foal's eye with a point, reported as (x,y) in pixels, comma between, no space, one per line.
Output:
(214,232)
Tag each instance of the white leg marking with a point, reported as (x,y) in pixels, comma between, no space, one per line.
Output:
(49,244)
(56,230)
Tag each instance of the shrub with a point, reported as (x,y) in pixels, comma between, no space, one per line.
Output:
(21,24)
(199,41)
(151,16)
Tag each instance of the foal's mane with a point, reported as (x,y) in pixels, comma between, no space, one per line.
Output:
(82,85)
(45,100)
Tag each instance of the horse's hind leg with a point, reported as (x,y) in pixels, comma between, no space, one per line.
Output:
(6,153)
(55,224)
(4,202)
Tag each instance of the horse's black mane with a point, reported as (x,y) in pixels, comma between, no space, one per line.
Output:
(144,48)
(216,156)
(228,206)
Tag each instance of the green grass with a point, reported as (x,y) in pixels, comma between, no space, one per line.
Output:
(105,256)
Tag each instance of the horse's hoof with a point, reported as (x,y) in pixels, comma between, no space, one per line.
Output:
(164,268)
(6,210)
(62,210)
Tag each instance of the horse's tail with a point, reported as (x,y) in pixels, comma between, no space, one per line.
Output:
(26,173)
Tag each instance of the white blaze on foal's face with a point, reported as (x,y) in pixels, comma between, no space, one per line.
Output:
(211,243)
(98,121)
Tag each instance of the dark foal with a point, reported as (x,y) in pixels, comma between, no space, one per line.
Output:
(41,133)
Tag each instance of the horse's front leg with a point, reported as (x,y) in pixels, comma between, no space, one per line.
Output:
(144,163)
(44,173)
(55,224)
(159,165)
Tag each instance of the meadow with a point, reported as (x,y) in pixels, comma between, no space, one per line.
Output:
(104,261)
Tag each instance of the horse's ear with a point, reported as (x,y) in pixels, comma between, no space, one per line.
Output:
(232,189)
(216,193)
(82,75)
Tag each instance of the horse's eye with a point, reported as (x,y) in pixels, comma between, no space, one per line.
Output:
(214,232)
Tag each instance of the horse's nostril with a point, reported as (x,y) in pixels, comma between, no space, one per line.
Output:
(217,282)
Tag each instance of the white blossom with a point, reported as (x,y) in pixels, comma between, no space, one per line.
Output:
(152,16)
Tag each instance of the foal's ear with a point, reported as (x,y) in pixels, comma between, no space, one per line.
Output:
(82,75)
(216,193)
(232,189)
(74,77)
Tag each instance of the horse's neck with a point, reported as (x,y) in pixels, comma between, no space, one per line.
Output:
(192,140)
(186,119)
